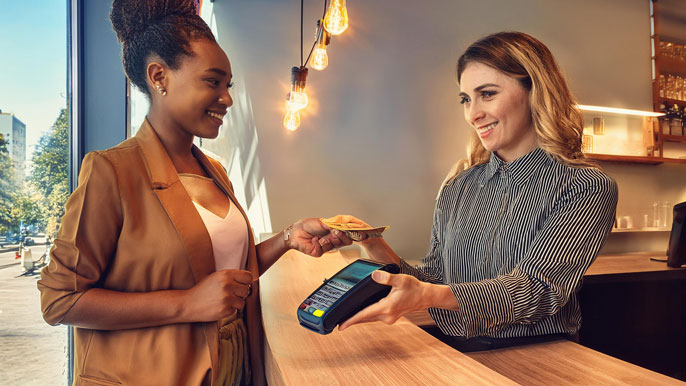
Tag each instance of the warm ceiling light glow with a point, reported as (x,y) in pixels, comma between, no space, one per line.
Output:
(292,120)
(614,110)
(320,59)
(336,18)
(297,100)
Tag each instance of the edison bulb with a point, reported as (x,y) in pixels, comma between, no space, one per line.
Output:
(320,59)
(292,120)
(336,19)
(297,100)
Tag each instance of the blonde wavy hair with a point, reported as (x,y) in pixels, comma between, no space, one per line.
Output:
(557,120)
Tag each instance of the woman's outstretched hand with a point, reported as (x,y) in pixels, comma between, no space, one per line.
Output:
(312,237)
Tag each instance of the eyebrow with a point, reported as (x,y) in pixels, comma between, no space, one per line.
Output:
(483,86)
(217,71)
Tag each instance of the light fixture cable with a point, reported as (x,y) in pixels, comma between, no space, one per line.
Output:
(320,31)
(297,98)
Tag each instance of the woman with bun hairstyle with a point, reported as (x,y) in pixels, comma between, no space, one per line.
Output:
(516,223)
(155,264)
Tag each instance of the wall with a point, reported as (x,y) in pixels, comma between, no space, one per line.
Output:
(384,123)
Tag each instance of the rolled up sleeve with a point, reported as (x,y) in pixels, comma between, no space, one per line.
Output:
(86,241)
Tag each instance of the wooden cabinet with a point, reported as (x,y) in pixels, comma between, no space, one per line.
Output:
(668,75)
(658,139)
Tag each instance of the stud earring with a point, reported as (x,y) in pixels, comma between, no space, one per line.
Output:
(160,89)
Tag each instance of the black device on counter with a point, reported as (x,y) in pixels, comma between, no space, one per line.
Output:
(346,293)
(676,252)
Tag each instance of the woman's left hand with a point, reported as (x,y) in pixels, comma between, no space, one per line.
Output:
(407,294)
(312,237)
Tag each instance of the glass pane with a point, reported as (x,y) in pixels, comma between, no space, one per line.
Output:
(34,184)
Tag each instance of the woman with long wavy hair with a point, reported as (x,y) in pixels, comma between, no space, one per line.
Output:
(516,223)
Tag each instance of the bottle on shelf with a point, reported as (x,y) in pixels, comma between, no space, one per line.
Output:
(675,121)
(664,120)
(662,85)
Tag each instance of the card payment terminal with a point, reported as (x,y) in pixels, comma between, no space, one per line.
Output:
(346,293)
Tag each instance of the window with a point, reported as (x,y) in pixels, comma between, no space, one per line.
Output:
(34,184)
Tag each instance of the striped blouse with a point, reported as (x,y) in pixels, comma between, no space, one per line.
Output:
(513,240)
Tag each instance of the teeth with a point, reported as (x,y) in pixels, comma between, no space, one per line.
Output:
(485,129)
(215,115)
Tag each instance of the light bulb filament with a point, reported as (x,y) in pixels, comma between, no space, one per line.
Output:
(292,120)
(336,18)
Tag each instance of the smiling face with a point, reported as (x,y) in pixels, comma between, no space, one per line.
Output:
(497,107)
(198,91)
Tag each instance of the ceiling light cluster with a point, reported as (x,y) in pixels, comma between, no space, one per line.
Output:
(334,22)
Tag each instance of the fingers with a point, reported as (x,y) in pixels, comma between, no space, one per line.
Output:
(325,244)
(242,291)
(370,314)
(333,240)
(243,277)
(316,248)
(341,238)
(383,277)
(357,235)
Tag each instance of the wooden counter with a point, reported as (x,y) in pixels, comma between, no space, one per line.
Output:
(403,353)
(566,363)
(634,308)
(631,267)
(370,354)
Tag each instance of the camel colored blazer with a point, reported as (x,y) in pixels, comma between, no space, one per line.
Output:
(130,226)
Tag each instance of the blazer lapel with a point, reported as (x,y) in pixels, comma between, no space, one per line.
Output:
(177,203)
(184,216)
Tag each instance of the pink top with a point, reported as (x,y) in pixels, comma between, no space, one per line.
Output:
(229,235)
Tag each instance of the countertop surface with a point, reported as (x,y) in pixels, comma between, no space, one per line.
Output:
(632,267)
(370,354)
(403,353)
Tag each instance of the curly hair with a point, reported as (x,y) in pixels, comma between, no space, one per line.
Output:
(159,29)
(557,120)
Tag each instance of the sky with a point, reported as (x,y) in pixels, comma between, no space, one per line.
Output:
(33,63)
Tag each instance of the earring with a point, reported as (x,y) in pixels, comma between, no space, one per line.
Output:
(160,89)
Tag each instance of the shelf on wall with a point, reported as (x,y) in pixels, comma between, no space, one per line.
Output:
(625,158)
(635,230)
(668,102)
(674,138)
(634,159)
(671,65)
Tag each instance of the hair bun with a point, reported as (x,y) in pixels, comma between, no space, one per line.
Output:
(131,17)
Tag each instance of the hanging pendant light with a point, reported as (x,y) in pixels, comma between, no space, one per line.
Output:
(336,18)
(320,58)
(296,99)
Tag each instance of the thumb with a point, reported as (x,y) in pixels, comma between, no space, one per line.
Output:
(382,277)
